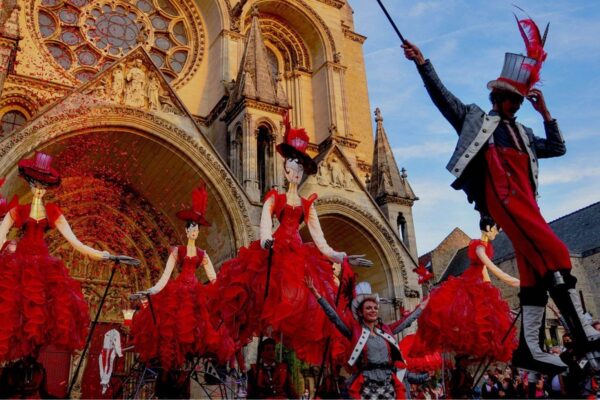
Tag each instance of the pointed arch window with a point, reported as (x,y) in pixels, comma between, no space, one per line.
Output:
(11,121)
(264,153)
(402,229)
(236,153)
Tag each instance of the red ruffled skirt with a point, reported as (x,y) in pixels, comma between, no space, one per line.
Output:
(40,304)
(290,310)
(183,327)
(467,316)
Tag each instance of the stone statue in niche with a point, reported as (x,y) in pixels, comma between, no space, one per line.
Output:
(154,93)
(135,93)
(338,175)
(118,84)
(6,10)
(323,174)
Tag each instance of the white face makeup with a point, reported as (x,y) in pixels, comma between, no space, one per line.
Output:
(192,232)
(37,191)
(293,170)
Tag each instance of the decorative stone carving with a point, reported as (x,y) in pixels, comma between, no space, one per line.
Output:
(331,172)
(135,93)
(118,83)
(153,92)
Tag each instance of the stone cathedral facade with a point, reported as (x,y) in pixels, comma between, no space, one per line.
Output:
(137,100)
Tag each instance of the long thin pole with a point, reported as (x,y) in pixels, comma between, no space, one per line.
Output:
(258,356)
(92,328)
(327,344)
(391,22)
(510,328)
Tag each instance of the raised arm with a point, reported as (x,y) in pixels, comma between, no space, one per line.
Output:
(314,227)
(503,276)
(402,324)
(329,310)
(449,105)
(164,279)
(266,223)
(5,226)
(65,229)
(209,268)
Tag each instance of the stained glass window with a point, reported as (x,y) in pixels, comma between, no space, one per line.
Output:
(11,121)
(94,33)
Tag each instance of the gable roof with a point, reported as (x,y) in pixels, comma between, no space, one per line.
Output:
(579,230)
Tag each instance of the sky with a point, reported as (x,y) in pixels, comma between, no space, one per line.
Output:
(466,41)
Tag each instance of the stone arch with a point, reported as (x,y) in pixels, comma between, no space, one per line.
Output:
(304,20)
(40,133)
(349,227)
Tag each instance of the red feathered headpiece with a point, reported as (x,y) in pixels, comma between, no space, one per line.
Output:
(424,274)
(199,204)
(295,143)
(520,73)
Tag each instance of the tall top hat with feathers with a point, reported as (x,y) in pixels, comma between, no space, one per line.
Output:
(198,210)
(520,73)
(295,144)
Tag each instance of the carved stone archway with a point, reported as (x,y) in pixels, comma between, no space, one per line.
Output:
(349,227)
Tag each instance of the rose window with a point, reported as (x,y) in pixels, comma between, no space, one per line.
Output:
(86,36)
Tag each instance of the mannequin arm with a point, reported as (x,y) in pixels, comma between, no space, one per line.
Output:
(65,229)
(316,233)
(266,221)
(503,276)
(164,279)
(5,226)
(209,268)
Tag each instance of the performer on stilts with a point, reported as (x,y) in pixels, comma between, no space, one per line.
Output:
(289,310)
(178,326)
(496,164)
(40,304)
(467,314)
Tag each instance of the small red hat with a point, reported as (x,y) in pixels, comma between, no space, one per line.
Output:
(199,203)
(39,170)
(294,146)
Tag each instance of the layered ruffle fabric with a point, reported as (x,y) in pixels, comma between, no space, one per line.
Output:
(183,324)
(40,304)
(424,363)
(290,311)
(467,316)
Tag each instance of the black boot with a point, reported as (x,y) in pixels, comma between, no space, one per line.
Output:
(529,355)
(566,298)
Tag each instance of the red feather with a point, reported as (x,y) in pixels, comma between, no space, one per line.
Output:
(199,198)
(533,39)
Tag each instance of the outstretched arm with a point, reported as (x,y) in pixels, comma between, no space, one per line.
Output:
(401,325)
(5,226)
(449,105)
(164,279)
(266,223)
(314,227)
(503,276)
(329,310)
(209,268)
(65,229)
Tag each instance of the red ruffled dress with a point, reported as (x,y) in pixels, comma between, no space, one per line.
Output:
(290,309)
(40,304)
(183,323)
(466,315)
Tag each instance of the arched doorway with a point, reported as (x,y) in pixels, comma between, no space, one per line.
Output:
(346,234)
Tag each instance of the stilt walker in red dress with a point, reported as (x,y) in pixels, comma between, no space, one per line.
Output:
(281,260)
(40,304)
(181,326)
(496,164)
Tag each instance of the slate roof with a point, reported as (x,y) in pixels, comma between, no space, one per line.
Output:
(580,231)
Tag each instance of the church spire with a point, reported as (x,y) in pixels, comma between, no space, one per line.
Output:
(386,180)
(255,78)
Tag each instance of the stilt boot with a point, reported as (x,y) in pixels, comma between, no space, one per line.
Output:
(529,354)
(566,298)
